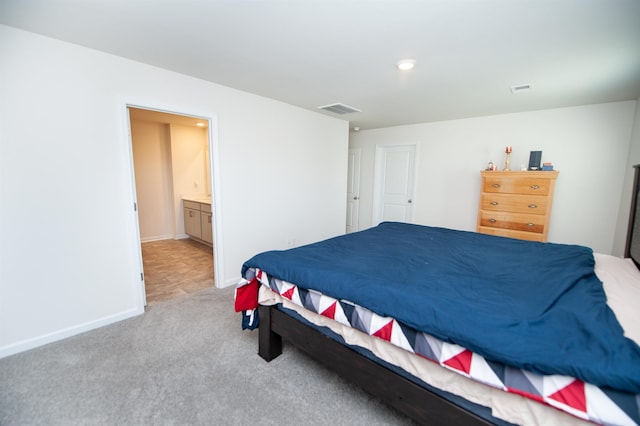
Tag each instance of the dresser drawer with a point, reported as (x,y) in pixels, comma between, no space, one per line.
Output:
(527,186)
(521,235)
(515,203)
(513,221)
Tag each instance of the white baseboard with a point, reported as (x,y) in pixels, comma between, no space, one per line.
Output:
(164,237)
(156,238)
(35,342)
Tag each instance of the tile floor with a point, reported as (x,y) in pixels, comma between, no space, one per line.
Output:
(173,268)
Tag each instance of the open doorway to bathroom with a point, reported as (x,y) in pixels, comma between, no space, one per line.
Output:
(172,164)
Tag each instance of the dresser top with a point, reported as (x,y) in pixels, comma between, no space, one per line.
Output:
(552,174)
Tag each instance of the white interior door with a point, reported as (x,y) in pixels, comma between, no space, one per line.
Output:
(394,183)
(353,190)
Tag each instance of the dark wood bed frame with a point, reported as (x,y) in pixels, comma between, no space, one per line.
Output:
(418,403)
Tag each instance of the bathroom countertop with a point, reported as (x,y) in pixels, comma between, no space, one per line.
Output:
(203,199)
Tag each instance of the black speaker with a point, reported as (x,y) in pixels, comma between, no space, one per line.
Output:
(535,157)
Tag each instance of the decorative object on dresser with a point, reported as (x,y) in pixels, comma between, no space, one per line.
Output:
(491,167)
(507,161)
(516,204)
(534,160)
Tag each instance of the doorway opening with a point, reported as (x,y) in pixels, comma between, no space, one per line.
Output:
(172,172)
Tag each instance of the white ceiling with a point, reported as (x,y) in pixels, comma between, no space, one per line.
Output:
(312,53)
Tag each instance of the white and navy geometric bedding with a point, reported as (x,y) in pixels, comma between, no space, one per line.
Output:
(573,396)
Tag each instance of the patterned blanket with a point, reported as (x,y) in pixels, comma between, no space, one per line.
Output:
(516,306)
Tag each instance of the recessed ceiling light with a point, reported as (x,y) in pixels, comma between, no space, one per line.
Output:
(406,64)
(200,124)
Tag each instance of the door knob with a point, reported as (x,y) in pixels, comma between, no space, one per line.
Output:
(409,201)
(356,198)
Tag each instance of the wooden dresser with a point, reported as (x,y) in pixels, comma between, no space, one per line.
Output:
(516,204)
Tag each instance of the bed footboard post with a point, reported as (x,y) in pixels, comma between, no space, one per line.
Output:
(269,343)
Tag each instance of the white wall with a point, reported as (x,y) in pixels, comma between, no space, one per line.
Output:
(154,183)
(589,145)
(68,255)
(188,168)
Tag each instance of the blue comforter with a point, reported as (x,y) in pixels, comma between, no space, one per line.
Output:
(535,306)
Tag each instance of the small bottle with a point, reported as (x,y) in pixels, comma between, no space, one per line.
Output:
(491,167)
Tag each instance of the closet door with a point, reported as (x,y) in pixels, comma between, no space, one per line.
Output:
(353,190)
(394,183)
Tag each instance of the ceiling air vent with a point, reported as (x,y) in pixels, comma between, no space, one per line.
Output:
(339,108)
(518,88)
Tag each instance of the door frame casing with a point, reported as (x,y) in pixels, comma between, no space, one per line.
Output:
(214,178)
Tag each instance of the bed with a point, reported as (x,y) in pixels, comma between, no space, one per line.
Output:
(433,322)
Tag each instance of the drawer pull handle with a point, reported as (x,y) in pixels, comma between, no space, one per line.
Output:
(494,203)
(496,185)
(492,220)
(530,224)
(535,186)
(533,206)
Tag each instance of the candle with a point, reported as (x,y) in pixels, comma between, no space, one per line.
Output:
(508,150)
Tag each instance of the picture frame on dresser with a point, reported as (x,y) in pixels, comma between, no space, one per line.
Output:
(535,159)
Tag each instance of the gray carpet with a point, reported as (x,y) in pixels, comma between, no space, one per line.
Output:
(184,362)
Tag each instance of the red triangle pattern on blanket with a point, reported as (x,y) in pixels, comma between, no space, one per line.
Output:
(461,362)
(289,293)
(572,395)
(385,331)
(330,312)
